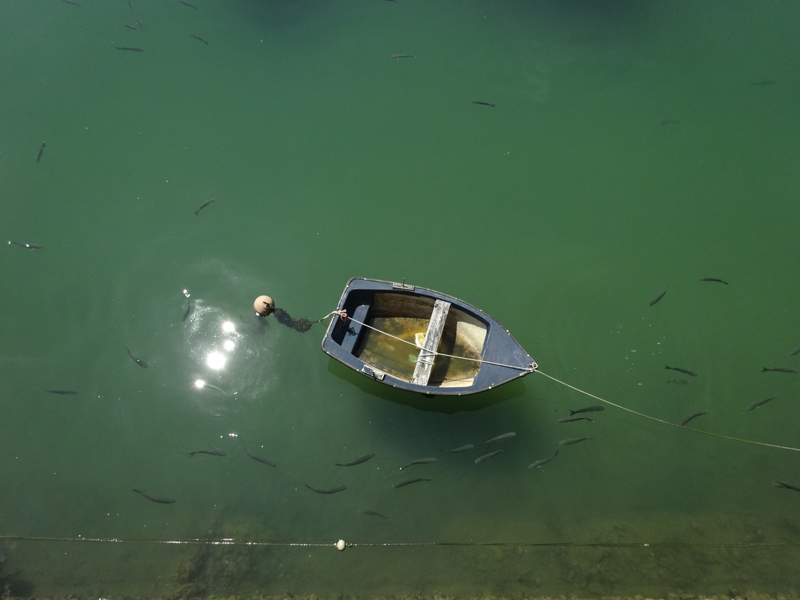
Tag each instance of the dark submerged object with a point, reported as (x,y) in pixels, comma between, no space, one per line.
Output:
(427,322)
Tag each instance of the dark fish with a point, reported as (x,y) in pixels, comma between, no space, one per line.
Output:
(678,381)
(138,22)
(659,297)
(139,362)
(409,482)
(62,392)
(191,35)
(130,5)
(486,457)
(28,246)
(687,371)
(694,416)
(778,369)
(187,4)
(482,103)
(332,490)
(402,56)
(461,449)
(159,499)
(134,49)
(206,203)
(371,513)
(500,438)
(129,26)
(764,82)
(39,156)
(70,2)
(755,405)
(670,122)
(585,410)
(571,441)
(358,461)
(573,419)
(262,460)
(542,461)
(421,461)
(713,279)
(188,310)
(780,484)
(794,352)
(211,452)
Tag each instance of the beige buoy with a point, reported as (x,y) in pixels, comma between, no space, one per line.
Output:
(340,545)
(263,305)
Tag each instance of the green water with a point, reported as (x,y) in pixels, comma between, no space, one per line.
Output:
(562,211)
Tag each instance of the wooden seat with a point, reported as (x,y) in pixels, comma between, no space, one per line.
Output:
(427,354)
(354,329)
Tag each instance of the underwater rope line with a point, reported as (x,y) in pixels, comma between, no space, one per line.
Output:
(534,368)
(233,542)
(719,435)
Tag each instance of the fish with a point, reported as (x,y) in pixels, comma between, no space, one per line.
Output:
(778,369)
(794,352)
(713,279)
(130,5)
(62,392)
(421,461)
(211,452)
(333,490)
(585,410)
(39,156)
(187,311)
(206,203)
(542,461)
(159,499)
(670,122)
(358,461)
(371,513)
(134,49)
(483,103)
(500,438)
(28,246)
(70,2)
(573,419)
(780,484)
(402,56)
(755,405)
(694,416)
(687,371)
(461,448)
(486,457)
(265,461)
(138,22)
(570,441)
(678,381)
(191,35)
(410,481)
(129,26)
(187,4)
(659,297)
(138,361)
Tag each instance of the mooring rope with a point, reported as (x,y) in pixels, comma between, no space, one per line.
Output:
(332,544)
(719,435)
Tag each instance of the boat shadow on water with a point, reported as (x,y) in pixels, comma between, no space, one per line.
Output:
(441,404)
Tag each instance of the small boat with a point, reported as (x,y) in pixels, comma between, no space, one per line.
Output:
(416,339)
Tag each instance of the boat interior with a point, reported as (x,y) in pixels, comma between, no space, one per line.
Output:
(417,326)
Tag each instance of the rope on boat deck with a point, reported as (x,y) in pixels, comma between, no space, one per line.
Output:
(719,435)
(428,353)
(328,544)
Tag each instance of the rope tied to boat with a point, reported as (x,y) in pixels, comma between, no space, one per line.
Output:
(432,353)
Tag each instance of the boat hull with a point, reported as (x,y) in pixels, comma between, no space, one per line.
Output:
(422,341)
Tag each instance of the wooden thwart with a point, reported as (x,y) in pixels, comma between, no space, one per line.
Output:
(422,372)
